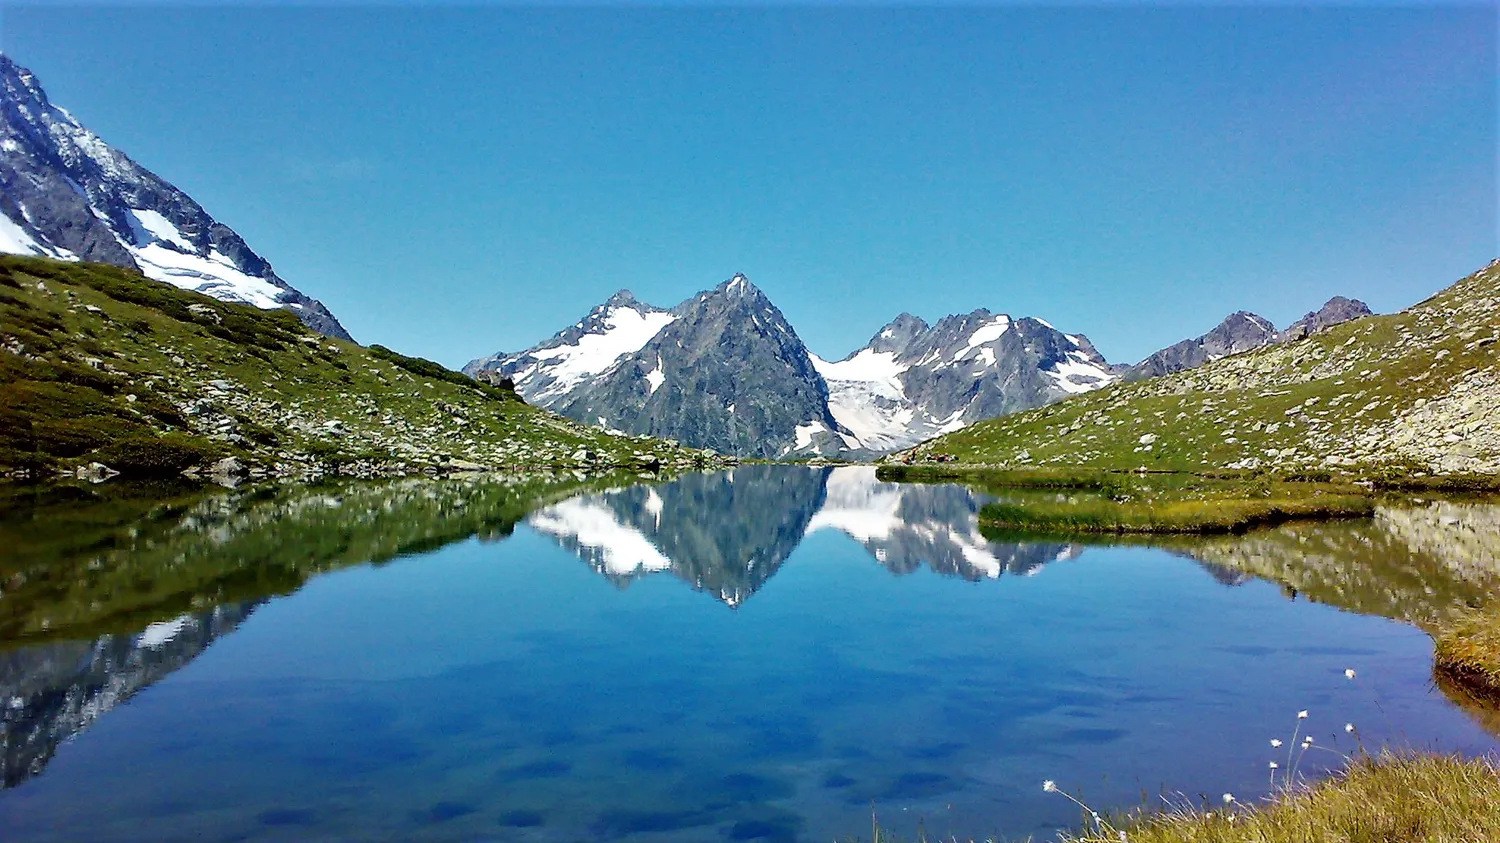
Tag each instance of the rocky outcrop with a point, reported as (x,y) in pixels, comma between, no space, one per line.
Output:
(1336,311)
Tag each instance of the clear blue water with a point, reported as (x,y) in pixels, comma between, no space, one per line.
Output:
(818,646)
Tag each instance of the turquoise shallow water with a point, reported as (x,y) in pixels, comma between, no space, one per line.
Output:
(764,656)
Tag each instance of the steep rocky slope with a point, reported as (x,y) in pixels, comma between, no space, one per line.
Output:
(1416,392)
(65,193)
(727,372)
(100,364)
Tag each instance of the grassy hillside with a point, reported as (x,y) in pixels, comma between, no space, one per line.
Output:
(1411,394)
(100,364)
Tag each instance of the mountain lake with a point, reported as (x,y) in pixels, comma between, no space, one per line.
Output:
(771,653)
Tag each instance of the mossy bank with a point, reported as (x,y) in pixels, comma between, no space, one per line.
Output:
(103,370)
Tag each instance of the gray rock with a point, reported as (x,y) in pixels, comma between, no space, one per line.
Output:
(228,467)
(1238,333)
(77,193)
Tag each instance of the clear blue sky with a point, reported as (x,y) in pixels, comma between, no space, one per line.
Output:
(453,181)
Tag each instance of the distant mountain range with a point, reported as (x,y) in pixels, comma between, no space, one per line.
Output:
(1241,332)
(721,370)
(724,370)
(65,193)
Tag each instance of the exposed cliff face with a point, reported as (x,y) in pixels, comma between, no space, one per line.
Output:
(65,193)
(727,373)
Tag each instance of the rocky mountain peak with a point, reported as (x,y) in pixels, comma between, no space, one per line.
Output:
(66,194)
(897,334)
(739,287)
(622,298)
(1336,310)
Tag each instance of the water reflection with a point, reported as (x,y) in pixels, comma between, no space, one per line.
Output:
(110,594)
(727,534)
(1415,561)
(51,692)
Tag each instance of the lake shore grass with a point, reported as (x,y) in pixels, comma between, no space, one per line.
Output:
(1467,652)
(1387,797)
(1393,797)
(1211,514)
(1061,501)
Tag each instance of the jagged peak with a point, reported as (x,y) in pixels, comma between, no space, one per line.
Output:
(1247,316)
(739,285)
(621,298)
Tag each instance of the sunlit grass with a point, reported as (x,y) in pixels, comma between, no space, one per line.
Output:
(1167,514)
(1468,651)
(1387,798)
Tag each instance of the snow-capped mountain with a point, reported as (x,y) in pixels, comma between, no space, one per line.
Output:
(727,534)
(548,372)
(913,381)
(1238,333)
(722,370)
(66,194)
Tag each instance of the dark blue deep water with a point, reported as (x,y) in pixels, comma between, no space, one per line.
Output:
(770,655)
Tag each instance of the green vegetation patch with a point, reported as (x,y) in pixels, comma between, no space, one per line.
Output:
(1061,501)
(1213,513)
(1468,651)
(1395,399)
(99,362)
(430,369)
(1389,798)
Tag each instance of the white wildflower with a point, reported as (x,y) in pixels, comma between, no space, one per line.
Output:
(1302,715)
(1275,742)
(1349,673)
(1274,765)
(1349,727)
(1049,786)
(1228,798)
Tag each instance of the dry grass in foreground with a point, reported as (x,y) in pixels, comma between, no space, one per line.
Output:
(1468,651)
(1389,798)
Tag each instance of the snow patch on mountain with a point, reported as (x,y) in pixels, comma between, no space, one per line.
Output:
(895,392)
(1078,373)
(623,331)
(66,194)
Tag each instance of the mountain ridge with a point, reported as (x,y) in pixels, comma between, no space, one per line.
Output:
(1408,395)
(911,381)
(67,194)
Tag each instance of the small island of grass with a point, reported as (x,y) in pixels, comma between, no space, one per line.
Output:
(1467,653)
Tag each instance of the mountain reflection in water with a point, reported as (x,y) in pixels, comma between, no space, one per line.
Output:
(104,597)
(727,534)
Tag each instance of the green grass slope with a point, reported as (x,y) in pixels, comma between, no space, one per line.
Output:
(101,364)
(1406,395)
